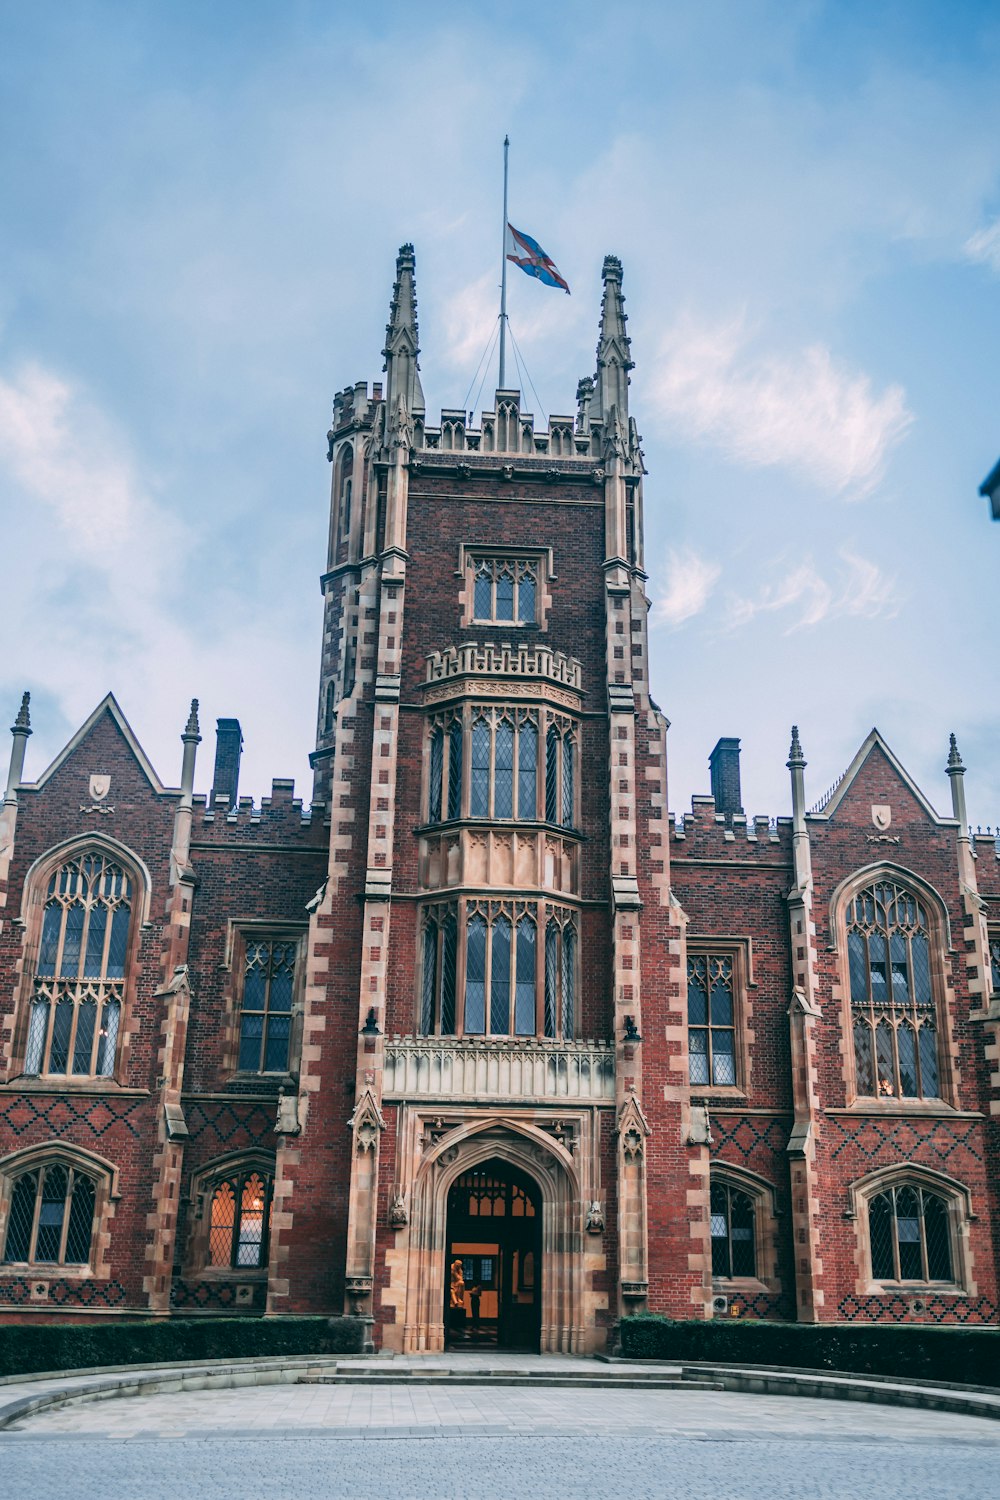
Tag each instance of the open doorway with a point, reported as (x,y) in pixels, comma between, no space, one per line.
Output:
(493,1271)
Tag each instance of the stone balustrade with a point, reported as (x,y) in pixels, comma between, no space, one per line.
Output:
(475,1068)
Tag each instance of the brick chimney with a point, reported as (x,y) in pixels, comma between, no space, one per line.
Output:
(724,765)
(228,749)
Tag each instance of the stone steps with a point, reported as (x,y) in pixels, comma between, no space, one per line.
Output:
(584,1379)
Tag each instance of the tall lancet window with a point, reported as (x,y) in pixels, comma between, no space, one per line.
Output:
(892,1001)
(79,982)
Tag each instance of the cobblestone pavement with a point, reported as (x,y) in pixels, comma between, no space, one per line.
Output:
(430,1443)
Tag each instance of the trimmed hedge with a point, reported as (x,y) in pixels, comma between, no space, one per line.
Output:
(26,1348)
(968,1356)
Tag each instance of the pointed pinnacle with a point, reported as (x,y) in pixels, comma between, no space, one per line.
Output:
(192,726)
(23,720)
(795,756)
(955,762)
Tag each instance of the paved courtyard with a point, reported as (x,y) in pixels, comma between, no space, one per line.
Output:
(485,1443)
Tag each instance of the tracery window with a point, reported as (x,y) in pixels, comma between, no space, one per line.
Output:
(485,963)
(266,1010)
(51,1216)
(521,765)
(995,961)
(711,1018)
(240,1220)
(892,1001)
(504,590)
(733,1231)
(909,1235)
(79,982)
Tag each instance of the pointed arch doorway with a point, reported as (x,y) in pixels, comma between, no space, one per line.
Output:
(493,1280)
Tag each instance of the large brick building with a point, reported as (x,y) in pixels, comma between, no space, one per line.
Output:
(485,1043)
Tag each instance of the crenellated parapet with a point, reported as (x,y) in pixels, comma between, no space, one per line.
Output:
(473,660)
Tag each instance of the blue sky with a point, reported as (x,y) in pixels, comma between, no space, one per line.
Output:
(202,206)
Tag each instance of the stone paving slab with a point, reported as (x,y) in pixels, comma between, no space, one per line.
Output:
(283,1412)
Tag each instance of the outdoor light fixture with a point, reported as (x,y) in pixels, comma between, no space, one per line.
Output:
(371,1027)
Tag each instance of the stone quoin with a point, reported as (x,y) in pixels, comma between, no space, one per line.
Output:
(484,1044)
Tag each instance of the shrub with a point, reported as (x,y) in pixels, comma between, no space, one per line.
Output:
(26,1347)
(915,1351)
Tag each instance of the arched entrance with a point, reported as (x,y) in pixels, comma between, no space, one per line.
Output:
(493,1291)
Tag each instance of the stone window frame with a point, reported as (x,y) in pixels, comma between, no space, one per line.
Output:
(958,1200)
(205,1180)
(107,1192)
(433,917)
(548,720)
(993,950)
(471,554)
(258,929)
(738,948)
(767,1228)
(34,895)
(939,945)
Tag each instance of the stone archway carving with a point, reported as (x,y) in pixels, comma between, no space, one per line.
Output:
(551,1167)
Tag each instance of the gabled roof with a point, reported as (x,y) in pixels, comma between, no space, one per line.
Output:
(108,705)
(826,810)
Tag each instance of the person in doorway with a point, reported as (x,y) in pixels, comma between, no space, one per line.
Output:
(475,1293)
(456,1299)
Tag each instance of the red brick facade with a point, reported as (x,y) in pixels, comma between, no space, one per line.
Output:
(475,959)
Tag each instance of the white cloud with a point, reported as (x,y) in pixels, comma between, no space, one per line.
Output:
(690,580)
(860,589)
(801,411)
(95,600)
(984,246)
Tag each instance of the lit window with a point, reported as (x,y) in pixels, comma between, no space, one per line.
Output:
(909,1235)
(266,1012)
(711,1019)
(51,1218)
(892,1002)
(733,1232)
(240,1220)
(504,590)
(79,980)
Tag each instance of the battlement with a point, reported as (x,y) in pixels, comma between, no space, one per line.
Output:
(704,831)
(281,815)
(506,429)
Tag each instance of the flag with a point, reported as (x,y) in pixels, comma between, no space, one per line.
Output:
(529,255)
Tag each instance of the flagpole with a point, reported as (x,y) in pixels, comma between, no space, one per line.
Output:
(503,274)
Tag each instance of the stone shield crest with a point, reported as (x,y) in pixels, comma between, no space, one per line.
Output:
(100,786)
(881,815)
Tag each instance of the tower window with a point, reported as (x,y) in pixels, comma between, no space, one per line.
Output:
(504,590)
(499,942)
